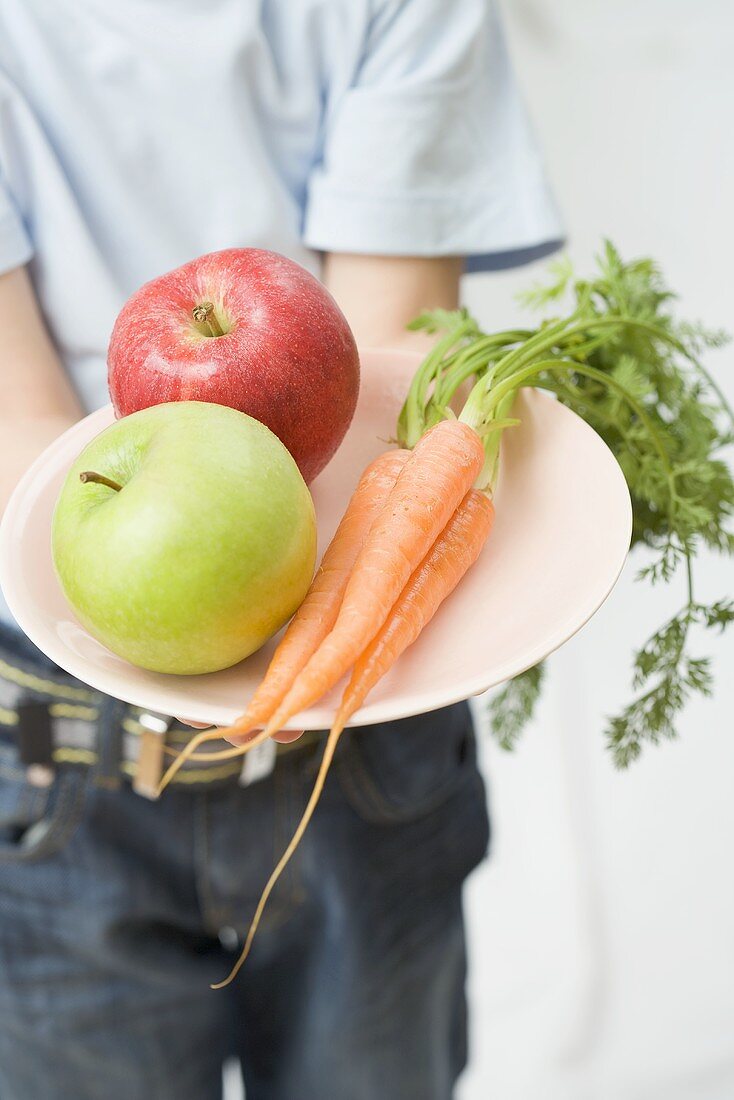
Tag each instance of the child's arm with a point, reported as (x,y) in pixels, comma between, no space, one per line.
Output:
(36,401)
(381,294)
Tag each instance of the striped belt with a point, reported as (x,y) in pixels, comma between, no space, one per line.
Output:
(58,720)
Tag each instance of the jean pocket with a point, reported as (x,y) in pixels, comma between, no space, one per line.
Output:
(35,820)
(400,771)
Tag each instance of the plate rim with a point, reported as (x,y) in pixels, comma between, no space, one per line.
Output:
(318,716)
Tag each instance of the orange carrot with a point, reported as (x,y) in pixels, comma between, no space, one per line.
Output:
(318,612)
(432,484)
(452,555)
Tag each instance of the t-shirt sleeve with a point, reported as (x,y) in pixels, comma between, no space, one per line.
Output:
(15,245)
(429,150)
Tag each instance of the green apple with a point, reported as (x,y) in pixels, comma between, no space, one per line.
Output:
(184,537)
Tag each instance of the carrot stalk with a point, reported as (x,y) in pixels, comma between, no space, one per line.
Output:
(318,612)
(431,486)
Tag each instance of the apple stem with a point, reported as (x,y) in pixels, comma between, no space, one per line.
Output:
(100,479)
(204,314)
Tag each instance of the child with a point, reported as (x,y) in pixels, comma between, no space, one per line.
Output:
(382,144)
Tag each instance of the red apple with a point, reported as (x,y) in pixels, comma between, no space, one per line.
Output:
(246,328)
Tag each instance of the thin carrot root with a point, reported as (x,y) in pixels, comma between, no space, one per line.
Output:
(225,754)
(199,739)
(220,754)
(329,750)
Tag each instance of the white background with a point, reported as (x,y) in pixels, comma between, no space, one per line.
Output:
(602,929)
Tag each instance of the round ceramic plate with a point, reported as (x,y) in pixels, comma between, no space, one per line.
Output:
(560,539)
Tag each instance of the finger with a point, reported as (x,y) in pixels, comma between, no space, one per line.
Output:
(196,725)
(286,736)
(239,739)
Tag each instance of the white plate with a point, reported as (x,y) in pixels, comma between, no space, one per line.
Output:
(560,539)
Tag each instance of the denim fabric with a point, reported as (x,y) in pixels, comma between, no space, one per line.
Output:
(116,913)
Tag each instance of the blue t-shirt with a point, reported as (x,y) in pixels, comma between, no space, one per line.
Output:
(137,134)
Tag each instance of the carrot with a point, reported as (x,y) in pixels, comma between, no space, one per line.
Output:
(432,484)
(318,612)
(452,555)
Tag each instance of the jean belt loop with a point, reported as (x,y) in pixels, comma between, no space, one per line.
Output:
(149,769)
(35,741)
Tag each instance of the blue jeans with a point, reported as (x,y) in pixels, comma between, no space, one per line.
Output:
(116,913)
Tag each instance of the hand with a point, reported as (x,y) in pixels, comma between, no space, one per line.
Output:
(284,736)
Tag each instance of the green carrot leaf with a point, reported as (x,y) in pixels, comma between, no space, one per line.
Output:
(617,355)
(513,706)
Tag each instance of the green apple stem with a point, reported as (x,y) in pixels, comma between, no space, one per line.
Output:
(100,479)
(204,314)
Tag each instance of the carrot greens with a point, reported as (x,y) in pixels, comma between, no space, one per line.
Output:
(619,358)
